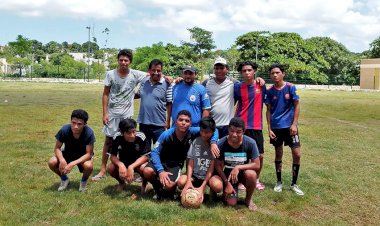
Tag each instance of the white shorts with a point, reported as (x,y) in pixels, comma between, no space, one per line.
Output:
(112,128)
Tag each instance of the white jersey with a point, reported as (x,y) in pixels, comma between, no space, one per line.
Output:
(120,100)
(222,100)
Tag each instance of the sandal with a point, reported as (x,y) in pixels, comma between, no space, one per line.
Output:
(97,178)
(260,186)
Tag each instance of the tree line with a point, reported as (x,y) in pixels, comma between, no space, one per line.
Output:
(317,60)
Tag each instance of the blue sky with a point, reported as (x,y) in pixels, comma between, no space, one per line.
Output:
(354,23)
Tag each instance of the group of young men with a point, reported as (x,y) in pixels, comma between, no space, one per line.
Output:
(221,145)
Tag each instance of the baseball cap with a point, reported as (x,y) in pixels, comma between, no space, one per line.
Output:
(220,60)
(189,68)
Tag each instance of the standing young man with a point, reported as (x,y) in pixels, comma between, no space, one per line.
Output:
(249,96)
(238,163)
(117,101)
(190,96)
(283,109)
(78,140)
(156,103)
(129,154)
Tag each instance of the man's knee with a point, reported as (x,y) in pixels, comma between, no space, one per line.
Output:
(182,181)
(250,177)
(216,184)
(53,162)
(148,173)
(111,168)
(88,165)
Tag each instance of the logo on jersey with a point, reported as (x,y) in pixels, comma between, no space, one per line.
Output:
(206,96)
(297,92)
(137,147)
(205,153)
(287,96)
(156,144)
(119,148)
(257,91)
(192,98)
(274,97)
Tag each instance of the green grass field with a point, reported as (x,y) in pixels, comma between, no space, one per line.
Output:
(339,174)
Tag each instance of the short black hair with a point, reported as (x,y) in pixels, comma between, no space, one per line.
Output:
(207,123)
(155,62)
(80,114)
(245,63)
(277,65)
(126,52)
(184,112)
(127,124)
(237,122)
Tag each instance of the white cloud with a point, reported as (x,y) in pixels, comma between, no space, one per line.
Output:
(99,9)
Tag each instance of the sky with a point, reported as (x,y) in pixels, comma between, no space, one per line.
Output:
(132,24)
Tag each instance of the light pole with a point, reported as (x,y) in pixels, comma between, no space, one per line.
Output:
(264,34)
(88,54)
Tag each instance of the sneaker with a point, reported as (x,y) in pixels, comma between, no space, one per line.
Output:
(296,190)
(241,187)
(278,187)
(64,184)
(83,186)
(260,186)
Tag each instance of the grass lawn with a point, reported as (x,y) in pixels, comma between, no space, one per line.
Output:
(340,166)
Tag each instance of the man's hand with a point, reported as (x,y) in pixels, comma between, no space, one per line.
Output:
(106,119)
(62,165)
(164,178)
(178,80)
(168,79)
(215,150)
(229,189)
(187,186)
(271,135)
(293,130)
(123,173)
(233,177)
(68,168)
(260,81)
(130,174)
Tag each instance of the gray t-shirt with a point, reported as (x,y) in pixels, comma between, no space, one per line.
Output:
(120,100)
(222,100)
(200,152)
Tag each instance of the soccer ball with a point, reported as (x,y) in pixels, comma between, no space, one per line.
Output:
(191,199)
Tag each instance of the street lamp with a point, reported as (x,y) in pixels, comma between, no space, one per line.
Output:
(88,54)
(263,34)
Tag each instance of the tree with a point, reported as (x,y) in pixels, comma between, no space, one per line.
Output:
(75,47)
(375,48)
(52,47)
(21,47)
(201,40)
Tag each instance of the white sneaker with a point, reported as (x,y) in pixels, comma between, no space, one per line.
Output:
(83,186)
(64,184)
(296,190)
(278,187)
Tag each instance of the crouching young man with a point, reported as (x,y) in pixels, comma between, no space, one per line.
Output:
(169,154)
(200,162)
(238,162)
(78,140)
(129,154)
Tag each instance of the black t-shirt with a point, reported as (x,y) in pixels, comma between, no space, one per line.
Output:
(129,152)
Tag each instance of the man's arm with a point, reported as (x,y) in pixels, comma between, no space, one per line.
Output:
(269,116)
(82,159)
(205,113)
(293,128)
(168,114)
(209,173)
(120,165)
(131,168)
(254,164)
(106,93)
(59,156)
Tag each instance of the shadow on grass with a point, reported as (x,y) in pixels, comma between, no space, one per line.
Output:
(73,186)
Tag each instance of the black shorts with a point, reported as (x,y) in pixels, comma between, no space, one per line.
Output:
(174,170)
(283,137)
(227,172)
(69,158)
(196,181)
(257,135)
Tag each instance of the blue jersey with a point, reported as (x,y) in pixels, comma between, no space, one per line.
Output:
(193,98)
(75,148)
(171,151)
(282,105)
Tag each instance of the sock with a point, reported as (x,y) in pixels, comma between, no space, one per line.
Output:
(64,177)
(278,165)
(295,170)
(83,179)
